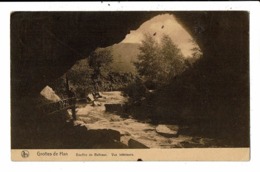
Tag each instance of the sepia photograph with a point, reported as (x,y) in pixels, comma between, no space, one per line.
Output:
(150,81)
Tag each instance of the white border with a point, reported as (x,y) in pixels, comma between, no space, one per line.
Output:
(5,159)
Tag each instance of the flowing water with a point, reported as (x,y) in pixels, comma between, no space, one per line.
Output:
(96,117)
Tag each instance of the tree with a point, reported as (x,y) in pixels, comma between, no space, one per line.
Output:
(196,54)
(100,61)
(158,63)
(172,58)
(148,58)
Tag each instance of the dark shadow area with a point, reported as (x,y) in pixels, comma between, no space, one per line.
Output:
(58,131)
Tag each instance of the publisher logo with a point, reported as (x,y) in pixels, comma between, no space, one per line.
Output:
(25,154)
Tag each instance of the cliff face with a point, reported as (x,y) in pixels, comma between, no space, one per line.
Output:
(46,44)
(221,79)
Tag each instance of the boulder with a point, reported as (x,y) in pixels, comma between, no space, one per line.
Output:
(105,135)
(119,108)
(168,130)
(95,103)
(90,97)
(98,95)
(102,99)
(49,94)
(135,144)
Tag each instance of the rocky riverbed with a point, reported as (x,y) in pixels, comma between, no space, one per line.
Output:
(132,132)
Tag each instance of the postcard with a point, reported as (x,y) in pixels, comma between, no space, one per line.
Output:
(130,85)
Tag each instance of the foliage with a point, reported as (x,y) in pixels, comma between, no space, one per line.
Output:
(136,89)
(81,77)
(196,51)
(196,54)
(100,61)
(158,63)
(119,80)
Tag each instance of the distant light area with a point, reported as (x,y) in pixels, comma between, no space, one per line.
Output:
(159,25)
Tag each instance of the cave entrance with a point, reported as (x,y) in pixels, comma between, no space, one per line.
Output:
(113,68)
(168,92)
(118,83)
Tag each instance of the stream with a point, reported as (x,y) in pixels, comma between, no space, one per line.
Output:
(96,117)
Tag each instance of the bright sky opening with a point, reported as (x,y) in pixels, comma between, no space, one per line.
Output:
(160,25)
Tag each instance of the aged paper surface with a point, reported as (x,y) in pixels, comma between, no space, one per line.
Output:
(130,86)
(188,154)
